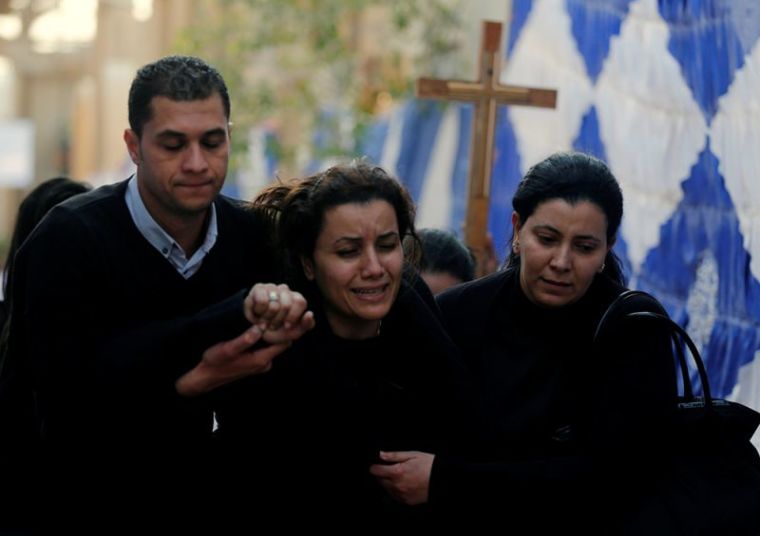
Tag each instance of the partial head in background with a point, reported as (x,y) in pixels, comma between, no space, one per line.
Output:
(33,208)
(567,212)
(341,231)
(444,260)
(179,138)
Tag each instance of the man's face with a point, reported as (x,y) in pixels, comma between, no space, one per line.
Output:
(181,158)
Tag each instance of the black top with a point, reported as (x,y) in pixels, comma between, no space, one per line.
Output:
(569,428)
(3,312)
(101,328)
(103,325)
(329,405)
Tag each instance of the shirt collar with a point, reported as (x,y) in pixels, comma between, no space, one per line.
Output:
(161,240)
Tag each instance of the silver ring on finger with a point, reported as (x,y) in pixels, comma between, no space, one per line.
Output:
(273,296)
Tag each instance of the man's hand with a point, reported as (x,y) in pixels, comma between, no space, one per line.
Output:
(407,478)
(228,361)
(280,313)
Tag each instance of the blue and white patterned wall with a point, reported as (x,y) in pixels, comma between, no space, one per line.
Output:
(668,93)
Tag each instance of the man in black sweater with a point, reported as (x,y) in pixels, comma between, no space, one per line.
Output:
(119,289)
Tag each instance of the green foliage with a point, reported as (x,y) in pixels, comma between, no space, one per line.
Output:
(290,61)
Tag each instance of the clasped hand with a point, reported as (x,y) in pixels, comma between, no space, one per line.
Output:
(280,313)
(278,316)
(406,477)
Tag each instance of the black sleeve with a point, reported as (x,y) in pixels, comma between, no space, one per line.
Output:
(446,379)
(635,393)
(621,444)
(462,329)
(465,488)
(169,348)
(77,355)
(423,291)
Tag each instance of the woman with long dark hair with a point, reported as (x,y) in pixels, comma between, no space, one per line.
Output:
(377,373)
(576,429)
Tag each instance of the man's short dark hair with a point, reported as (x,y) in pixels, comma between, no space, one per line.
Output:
(179,78)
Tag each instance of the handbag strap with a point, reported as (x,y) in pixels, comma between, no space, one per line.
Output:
(688,392)
(678,333)
(639,304)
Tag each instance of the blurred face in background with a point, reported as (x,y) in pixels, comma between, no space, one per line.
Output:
(437,282)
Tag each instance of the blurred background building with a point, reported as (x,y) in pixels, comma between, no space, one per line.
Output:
(66,66)
(65,69)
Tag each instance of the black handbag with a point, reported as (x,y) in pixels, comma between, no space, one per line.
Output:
(711,484)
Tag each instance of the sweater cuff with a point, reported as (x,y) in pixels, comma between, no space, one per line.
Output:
(220,322)
(444,480)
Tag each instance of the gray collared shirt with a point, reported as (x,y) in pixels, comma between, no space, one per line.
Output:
(161,240)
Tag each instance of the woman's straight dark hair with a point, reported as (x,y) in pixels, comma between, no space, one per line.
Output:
(573,177)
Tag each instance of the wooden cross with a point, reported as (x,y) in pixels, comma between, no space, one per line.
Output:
(486,93)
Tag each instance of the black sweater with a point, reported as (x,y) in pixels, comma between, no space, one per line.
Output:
(310,428)
(573,432)
(103,325)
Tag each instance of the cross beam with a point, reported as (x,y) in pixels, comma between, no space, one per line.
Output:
(486,92)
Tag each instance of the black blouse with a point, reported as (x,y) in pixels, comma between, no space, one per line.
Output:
(570,426)
(320,417)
